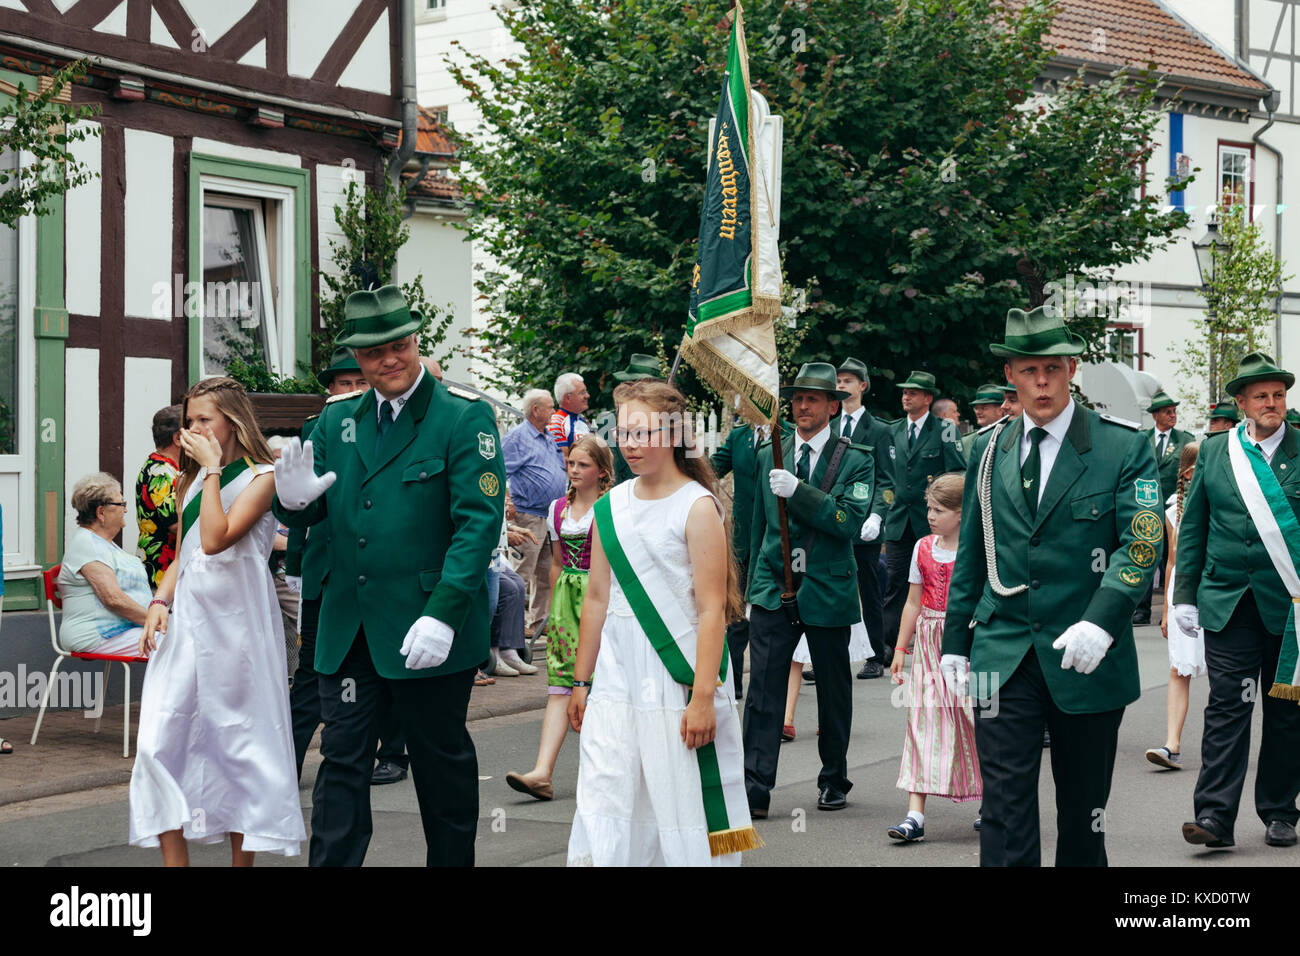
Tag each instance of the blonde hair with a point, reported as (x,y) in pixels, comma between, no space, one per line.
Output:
(662,397)
(1185,461)
(595,448)
(232,401)
(92,492)
(946,490)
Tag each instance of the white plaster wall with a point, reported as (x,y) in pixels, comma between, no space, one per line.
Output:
(148,386)
(148,241)
(82,217)
(314,25)
(251,154)
(369,68)
(440,253)
(331,191)
(215,17)
(80,423)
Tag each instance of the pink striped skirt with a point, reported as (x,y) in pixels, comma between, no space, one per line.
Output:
(939,746)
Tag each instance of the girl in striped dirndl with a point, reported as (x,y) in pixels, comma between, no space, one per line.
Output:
(939,746)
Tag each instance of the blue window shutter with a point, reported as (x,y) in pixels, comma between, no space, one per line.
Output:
(1175,147)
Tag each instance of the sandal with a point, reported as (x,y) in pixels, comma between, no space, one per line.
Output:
(482,680)
(6,747)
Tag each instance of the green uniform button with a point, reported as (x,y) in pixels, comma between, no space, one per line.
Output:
(361,579)
(366,503)
(1034,541)
(1034,584)
(1038,625)
(1094,510)
(361,543)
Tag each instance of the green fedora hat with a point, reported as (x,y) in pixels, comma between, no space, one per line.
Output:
(377,316)
(1008,389)
(1258,367)
(1293,417)
(340,361)
(1160,400)
(988,395)
(815,377)
(641,366)
(852,366)
(919,380)
(1226,410)
(1038,332)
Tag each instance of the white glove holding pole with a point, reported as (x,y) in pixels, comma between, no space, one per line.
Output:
(1188,617)
(870,529)
(1084,644)
(782,482)
(427,643)
(956,673)
(296,483)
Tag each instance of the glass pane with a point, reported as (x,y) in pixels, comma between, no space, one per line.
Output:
(232,293)
(8,328)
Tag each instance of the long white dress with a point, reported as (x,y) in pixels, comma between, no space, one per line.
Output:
(215,750)
(1186,652)
(639,797)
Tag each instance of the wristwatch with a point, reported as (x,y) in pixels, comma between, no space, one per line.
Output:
(211,470)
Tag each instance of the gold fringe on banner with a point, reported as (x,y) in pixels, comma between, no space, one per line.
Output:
(757,403)
(764,309)
(1285,692)
(736,840)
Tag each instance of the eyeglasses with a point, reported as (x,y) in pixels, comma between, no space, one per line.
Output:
(638,436)
(120,504)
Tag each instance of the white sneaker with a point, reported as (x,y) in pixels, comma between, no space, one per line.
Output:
(502,669)
(522,666)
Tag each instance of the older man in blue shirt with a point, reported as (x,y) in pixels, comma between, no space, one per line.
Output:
(536,475)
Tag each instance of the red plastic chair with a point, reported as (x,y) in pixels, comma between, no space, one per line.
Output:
(53,600)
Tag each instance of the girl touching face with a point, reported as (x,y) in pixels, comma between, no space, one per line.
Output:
(206,419)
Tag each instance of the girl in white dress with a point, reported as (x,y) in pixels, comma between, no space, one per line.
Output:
(215,749)
(661,772)
(1186,651)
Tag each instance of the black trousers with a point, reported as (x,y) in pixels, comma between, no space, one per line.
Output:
(392,741)
(873,612)
(1242,661)
(1009,741)
(738,640)
(771,649)
(304,695)
(898,558)
(443,762)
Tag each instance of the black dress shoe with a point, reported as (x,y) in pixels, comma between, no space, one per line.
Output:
(758,813)
(871,669)
(831,799)
(1279,833)
(1140,618)
(1205,832)
(809,676)
(387,772)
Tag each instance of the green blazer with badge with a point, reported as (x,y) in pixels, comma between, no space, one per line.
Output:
(738,456)
(413,523)
(873,434)
(1088,555)
(935,452)
(1168,462)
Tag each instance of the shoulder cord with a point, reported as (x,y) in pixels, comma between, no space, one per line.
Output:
(985,488)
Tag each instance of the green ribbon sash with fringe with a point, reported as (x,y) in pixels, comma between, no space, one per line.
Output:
(722,838)
(1281,538)
(190,516)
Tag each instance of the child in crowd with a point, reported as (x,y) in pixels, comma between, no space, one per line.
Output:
(591,474)
(1186,651)
(939,747)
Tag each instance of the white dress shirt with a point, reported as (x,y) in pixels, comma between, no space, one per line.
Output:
(1049,446)
(1169,440)
(400,401)
(919,423)
(816,443)
(852,418)
(1270,444)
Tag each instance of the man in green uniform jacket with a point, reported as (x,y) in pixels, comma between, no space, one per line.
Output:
(922,447)
(738,455)
(1227,583)
(862,428)
(823,527)
(411,480)
(1168,443)
(1044,632)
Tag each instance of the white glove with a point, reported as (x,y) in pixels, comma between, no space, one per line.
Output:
(870,528)
(296,482)
(1085,644)
(427,643)
(1188,617)
(956,673)
(782,482)
(293,583)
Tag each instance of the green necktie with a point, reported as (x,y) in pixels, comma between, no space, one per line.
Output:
(911,434)
(1029,471)
(1160,452)
(801,468)
(385,422)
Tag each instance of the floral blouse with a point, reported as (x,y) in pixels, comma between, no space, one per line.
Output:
(155,509)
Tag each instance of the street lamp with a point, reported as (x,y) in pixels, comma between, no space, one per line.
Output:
(1209,248)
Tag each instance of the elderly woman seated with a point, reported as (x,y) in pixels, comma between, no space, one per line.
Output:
(105,590)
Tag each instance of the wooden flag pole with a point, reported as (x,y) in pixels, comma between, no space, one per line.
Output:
(778,461)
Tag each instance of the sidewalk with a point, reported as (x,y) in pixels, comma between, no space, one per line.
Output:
(69,756)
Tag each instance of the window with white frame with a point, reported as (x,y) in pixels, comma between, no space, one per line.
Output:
(430,10)
(1124,346)
(1235,174)
(246,292)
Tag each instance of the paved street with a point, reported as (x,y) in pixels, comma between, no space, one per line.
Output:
(1146,808)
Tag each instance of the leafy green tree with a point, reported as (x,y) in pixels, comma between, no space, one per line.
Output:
(1238,317)
(926,185)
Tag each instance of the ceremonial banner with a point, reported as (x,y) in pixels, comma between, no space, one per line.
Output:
(730,340)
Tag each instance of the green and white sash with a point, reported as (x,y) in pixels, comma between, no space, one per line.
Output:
(189,543)
(1280,534)
(667,626)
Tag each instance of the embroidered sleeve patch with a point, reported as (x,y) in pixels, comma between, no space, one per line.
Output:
(487,445)
(489,485)
(1142,554)
(1147,526)
(889,496)
(1130,576)
(1147,492)
(841,517)
(861,490)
